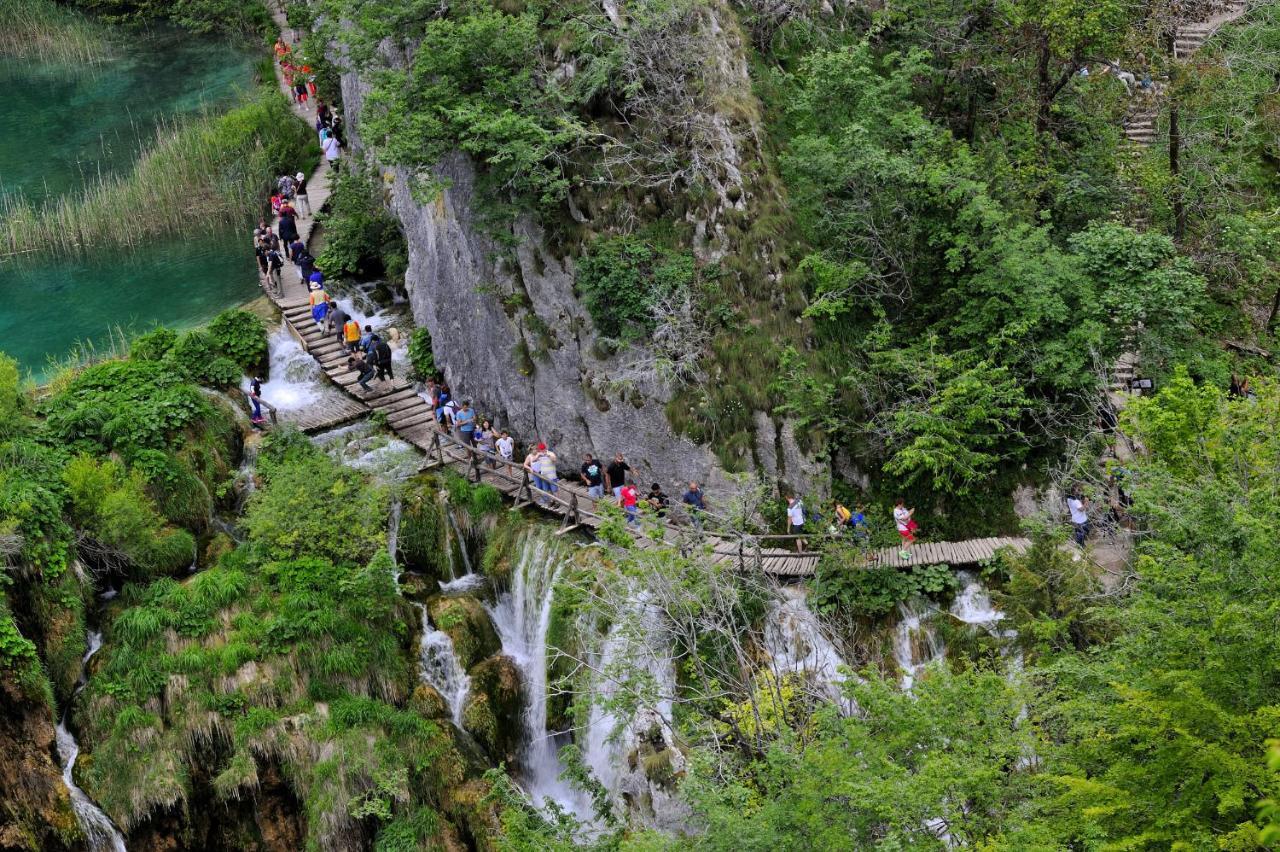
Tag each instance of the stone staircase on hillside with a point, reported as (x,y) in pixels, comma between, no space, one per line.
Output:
(1141,123)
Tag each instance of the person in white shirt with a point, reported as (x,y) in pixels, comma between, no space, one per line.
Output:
(331,148)
(795,520)
(1079,508)
(902,518)
(506,446)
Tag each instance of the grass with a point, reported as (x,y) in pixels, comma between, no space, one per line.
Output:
(195,176)
(40,29)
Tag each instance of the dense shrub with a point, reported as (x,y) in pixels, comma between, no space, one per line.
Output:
(153,345)
(240,336)
(362,239)
(621,278)
(420,354)
(842,585)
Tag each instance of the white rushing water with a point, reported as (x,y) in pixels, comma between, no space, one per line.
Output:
(438,665)
(362,446)
(295,380)
(101,833)
(522,617)
(915,643)
(973,604)
(796,643)
(636,656)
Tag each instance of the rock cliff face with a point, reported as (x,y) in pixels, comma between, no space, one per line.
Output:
(509,332)
(35,807)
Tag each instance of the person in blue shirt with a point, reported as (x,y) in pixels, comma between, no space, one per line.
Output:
(465,422)
(696,504)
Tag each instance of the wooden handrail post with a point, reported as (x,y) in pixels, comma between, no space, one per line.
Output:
(474,473)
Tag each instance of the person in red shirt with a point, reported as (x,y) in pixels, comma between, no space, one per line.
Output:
(628,498)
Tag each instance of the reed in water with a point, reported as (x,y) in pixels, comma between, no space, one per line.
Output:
(40,29)
(195,175)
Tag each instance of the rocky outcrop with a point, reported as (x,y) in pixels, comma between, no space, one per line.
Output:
(510,333)
(469,627)
(493,708)
(35,807)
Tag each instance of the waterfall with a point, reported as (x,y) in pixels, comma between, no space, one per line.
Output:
(438,666)
(453,538)
(522,617)
(796,643)
(101,833)
(636,652)
(295,380)
(973,604)
(915,644)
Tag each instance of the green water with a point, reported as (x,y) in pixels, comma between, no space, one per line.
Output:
(65,126)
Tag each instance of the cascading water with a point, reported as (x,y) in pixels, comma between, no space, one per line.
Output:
(522,617)
(796,643)
(438,666)
(362,446)
(973,604)
(295,380)
(915,644)
(635,651)
(98,829)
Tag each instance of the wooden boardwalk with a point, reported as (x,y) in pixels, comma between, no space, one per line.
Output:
(409,416)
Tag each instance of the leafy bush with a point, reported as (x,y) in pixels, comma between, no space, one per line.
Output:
(312,507)
(841,585)
(621,278)
(361,238)
(197,357)
(153,345)
(241,336)
(420,355)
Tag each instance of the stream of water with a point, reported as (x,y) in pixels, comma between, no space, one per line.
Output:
(98,829)
(438,665)
(523,617)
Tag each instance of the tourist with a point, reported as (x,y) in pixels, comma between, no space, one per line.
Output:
(694,499)
(255,397)
(275,263)
(843,516)
(443,395)
(288,229)
(1079,508)
(858,523)
(658,501)
(531,464)
(506,447)
(592,476)
(338,319)
(276,201)
(464,422)
(451,409)
(795,521)
(269,239)
(332,150)
(384,359)
(300,93)
(300,193)
(286,186)
(323,113)
(615,475)
(628,498)
(904,519)
(485,438)
(335,127)
(319,301)
(364,372)
(366,339)
(545,465)
(260,252)
(351,334)
(305,263)
(431,393)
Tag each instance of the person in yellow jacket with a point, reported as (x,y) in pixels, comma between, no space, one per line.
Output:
(351,334)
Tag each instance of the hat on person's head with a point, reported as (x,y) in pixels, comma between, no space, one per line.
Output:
(542,446)
(300,176)
(315,285)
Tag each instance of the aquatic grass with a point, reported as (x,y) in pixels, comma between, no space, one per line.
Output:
(196,176)
(42,30)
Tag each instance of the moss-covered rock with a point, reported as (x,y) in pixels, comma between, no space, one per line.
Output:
(218,545)
(468,625)
(422,538)
(493,708)
(427,702)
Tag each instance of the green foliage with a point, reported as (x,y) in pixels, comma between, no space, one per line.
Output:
(841,585)
(472,87)
(310,506)
(200,16)
(18,656)
(362,239)
(153,345)
(420,355)
(241,337)
(620,278)
(195,357)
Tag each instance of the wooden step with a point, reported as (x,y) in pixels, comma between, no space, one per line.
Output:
(404,422)
(395,402)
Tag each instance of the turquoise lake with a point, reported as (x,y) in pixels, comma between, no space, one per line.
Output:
(66,126)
